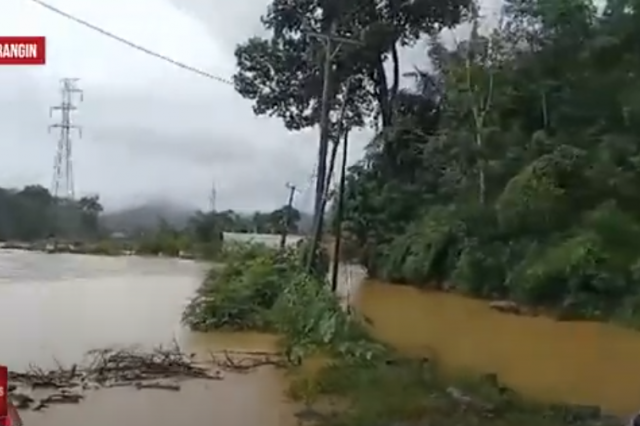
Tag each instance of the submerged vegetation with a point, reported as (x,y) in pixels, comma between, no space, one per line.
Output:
(260,288)
(264,289)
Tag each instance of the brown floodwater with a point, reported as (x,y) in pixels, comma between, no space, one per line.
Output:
(570,362)
(57,307)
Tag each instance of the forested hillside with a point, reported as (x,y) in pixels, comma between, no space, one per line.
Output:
(513,168)
(32,214)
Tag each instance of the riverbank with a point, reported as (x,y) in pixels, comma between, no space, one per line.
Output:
(370,381)
(100,248)
(118,247)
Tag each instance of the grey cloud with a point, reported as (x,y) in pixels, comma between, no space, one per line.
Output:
(152,130)
(230,21)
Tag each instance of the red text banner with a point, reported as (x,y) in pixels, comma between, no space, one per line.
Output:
(23,50)
(4,394)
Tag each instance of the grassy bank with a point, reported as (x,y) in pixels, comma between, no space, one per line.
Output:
(261,289)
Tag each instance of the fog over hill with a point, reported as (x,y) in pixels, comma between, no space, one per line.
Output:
(149,214)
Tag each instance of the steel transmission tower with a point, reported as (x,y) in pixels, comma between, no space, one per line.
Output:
(63,184)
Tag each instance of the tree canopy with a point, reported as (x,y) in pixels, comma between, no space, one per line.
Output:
(282,73)
(509,170)
(512,170)
(32,213)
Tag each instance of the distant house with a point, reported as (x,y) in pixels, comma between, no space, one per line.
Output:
(118,236)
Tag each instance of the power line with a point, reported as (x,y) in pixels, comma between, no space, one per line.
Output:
(135,45)
(147,51)
(132,44)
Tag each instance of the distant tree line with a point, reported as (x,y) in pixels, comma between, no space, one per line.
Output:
(261,223)
(203,234)
(33,213)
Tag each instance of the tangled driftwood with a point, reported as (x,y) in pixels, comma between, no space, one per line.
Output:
(161,368)
(245,361)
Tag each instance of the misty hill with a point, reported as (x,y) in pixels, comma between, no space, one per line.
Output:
(146,216)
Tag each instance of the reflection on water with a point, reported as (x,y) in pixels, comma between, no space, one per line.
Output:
(63,305)
(587,363)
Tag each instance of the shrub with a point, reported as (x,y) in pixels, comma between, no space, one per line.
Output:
(237,295)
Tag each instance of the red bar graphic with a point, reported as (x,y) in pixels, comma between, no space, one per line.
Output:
(23,50)
(4,391)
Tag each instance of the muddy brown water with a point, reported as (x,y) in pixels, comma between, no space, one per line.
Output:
(63,305)
(56,307)
(570,362)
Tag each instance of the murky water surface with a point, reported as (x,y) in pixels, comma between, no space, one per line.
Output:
(573,362)
(56,307)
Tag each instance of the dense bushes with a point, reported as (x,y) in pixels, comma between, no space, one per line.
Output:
(512,168)
(263,289)
(585,268)
(550,238)
(259,288)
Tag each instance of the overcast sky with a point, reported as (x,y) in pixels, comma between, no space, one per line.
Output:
(151,130)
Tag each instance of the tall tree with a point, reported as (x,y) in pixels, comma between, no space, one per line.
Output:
(282,74)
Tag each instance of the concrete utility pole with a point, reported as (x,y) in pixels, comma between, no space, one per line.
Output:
(339,214)
(332,44)
(213,195)
(63,182)
(286,219)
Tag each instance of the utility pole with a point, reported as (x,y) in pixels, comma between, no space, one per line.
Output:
(286,218)
(331,44)
(63,182)
(213,195)
(339,214)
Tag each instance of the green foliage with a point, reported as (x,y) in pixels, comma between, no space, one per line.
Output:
(258,222)
(259,288)
(537,200)
(416,392)
(311,318)
(238,296)
(202,238)
(563,270)
(33,213)
(265,289)
(511,170)
(422,254)
(280,73)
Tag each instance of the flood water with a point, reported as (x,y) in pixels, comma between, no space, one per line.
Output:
(57,307)
(571,362)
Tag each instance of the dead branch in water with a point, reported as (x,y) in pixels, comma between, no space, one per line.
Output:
(161,368)
(105,368)
(245,361)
